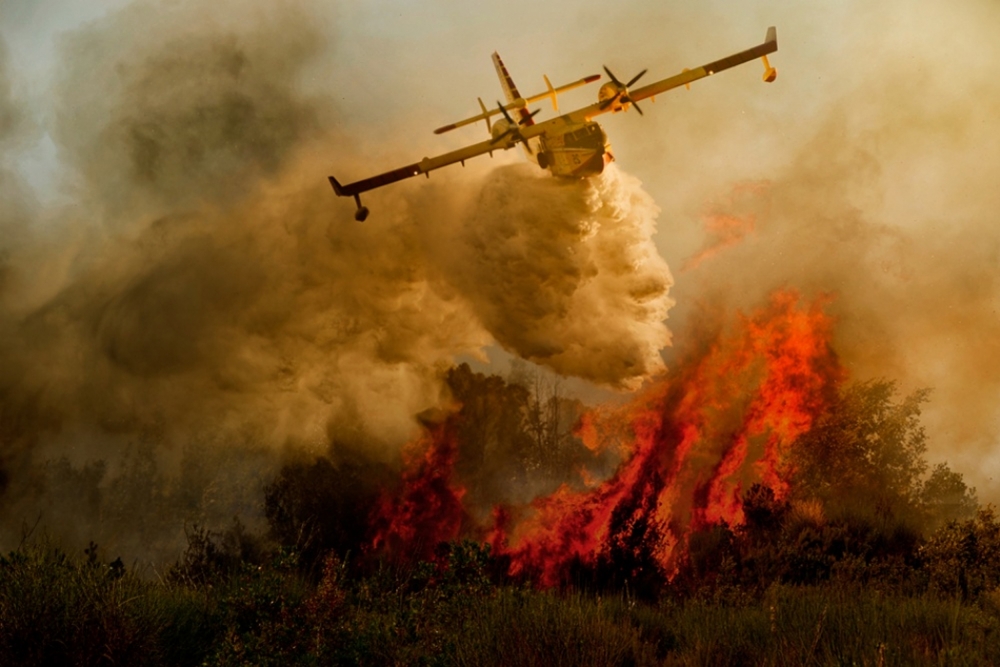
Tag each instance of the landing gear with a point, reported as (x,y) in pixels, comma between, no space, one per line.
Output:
(543,160)
(361,213)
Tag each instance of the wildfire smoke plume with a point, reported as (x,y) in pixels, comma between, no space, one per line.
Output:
(199,287)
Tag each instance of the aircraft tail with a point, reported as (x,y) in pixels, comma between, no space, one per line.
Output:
(510,90)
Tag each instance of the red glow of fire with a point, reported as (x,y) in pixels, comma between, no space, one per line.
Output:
(427,509)
(724,227)
(724,419)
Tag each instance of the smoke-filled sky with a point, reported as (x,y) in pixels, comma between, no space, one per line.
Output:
(169,248)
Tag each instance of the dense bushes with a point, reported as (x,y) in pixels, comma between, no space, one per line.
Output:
(861,512)
(60,610)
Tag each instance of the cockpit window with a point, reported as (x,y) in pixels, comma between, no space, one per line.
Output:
(589,136)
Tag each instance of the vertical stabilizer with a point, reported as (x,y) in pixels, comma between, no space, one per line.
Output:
(510,90)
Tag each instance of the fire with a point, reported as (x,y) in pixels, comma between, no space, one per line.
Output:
(427,509)
(725,419)
(726,223)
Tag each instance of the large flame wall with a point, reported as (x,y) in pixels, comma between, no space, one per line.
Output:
(725,419)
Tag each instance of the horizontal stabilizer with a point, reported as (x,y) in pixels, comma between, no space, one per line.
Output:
(520,103)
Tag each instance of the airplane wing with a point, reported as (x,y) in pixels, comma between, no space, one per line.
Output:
(769,45)
(425,166)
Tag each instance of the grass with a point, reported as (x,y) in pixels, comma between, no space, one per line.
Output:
(60,610)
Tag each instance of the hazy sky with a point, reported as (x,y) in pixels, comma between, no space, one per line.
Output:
(868,170)
(398,69)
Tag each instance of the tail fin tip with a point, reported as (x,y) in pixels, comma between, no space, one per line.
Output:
(337,187)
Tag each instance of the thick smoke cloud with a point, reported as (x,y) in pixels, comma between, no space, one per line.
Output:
(17,206)
(167,105)
(889,207)
(564,273)
(204,288)
(11,115)
(213,285)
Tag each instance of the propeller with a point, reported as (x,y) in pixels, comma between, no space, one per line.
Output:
(623,90)
(515,128)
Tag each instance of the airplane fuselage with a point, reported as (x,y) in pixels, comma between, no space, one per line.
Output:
(579,152)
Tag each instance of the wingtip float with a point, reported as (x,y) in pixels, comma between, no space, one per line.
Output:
(571,145)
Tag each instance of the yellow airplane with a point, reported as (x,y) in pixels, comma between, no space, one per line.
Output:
(571,145)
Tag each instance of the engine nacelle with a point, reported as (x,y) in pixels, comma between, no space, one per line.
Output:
(500,128)
(611,91)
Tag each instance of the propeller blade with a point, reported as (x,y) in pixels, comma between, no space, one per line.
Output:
(528,117)
(514,129)
(636,78)
(612,76)
(606,103)
(505,114)
(634,104)
(501,137)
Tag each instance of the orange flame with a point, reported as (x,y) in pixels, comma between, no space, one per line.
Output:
(428,508)
(723,227)
(725,419)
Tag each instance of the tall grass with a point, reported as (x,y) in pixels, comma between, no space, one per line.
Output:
(834,626)
(520,628)
(60,610)
(55,610)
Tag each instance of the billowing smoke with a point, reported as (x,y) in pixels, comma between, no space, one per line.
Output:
(17,206)
(564,273)
(887,206)
(200,287)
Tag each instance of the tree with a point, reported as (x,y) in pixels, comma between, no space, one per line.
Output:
(963,557)
(866,452)
(491,432)
(946,497)
(518,430)
(317,507)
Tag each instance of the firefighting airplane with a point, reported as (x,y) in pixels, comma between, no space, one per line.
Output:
(571,145)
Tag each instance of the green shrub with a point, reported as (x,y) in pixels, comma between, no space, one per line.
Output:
(963,557)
